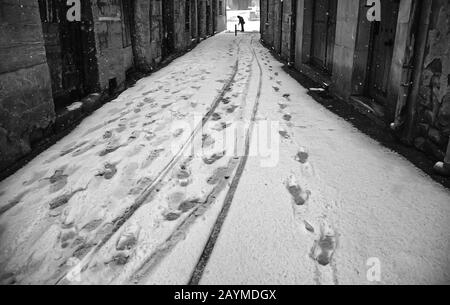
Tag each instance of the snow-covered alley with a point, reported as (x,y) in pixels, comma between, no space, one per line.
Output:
(126,199)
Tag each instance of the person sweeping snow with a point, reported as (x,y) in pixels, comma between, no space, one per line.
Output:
(241,22)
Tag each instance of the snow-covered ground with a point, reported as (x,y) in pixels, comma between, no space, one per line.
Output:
(123,200)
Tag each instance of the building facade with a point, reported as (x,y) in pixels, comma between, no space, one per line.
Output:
(54,54)
(389,58)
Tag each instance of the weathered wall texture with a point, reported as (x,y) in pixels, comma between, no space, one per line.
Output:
(433,129)
(154,52)
(286,29)
(344,48)
(114,59)
(221,18)
(141,34)
(26,105)
(267,21)
(276,25)
(182,33)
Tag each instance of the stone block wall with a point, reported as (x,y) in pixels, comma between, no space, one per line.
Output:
(286,30)
(344,49)
(114,58)
(26,103)
(433,126)
(267,21)
(221,19)
(276,26)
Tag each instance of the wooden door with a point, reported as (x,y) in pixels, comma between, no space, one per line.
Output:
(167,28)
(382,49)
(64,51)
(323,34)
(208,19)
(293,31)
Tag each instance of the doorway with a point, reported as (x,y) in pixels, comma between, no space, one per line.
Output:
(381,51)
(65,46)
(214,16)
(323,34)
(208,19)
(293,31)
(168,46)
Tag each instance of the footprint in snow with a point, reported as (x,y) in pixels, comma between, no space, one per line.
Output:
(302,156)
(58,181)
(207,141)
(284,134)
(300,197)
(325,247)
(213,158)
(108,172)
(226,100)
(283,106)
(216,117)
(232,108)
(188,205)
(109,149)
(184,177)
(172,216)
(287,117)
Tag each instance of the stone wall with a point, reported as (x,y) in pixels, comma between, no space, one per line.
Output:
(114,58)
(267,21)
(433,126)
(26,105)
(276,26)
(344,48)
(202,18)
(286,30)
(154,52)
(182,34)
(221,19)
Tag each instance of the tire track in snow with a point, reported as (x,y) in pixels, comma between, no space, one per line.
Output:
(215,232)
(148,191)
(178,234)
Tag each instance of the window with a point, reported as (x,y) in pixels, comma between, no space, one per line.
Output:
(127,13)
(220,8)
(187,14)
